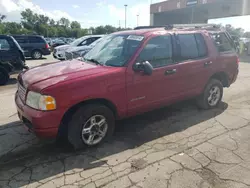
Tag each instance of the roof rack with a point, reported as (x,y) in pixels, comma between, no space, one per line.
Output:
(182,26)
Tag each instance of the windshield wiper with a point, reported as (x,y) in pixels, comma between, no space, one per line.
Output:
(94,61)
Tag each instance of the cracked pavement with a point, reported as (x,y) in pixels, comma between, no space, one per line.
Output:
(176,147)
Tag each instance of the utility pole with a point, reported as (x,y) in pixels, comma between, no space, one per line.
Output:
(125,16)
(137,19)
(192,15)
(119,23)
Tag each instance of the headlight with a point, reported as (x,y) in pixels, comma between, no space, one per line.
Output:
(40,102)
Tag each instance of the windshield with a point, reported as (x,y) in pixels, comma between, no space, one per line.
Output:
(77,41)
(114,50)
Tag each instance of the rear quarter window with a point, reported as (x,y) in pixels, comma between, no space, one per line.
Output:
(222,42)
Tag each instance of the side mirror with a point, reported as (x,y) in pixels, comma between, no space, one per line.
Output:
(145,67)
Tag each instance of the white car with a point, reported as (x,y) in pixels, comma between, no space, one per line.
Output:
(59,52)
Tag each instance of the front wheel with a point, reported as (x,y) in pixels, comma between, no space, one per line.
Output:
(90,126)
(4,76)
(211,96)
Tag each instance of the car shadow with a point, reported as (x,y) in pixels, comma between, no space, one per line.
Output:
(29,58)
(129,134)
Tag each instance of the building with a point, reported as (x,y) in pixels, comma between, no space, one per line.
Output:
(196,11)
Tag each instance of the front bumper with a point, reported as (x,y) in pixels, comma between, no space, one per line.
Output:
(43,124)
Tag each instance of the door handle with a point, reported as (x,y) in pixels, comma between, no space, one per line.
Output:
(169,72)
(208,63)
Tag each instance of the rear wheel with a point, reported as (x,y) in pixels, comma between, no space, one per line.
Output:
(212,95)
(90,126)
(36,54)
(4,76)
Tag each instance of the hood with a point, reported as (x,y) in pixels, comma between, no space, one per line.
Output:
(62,47)
(78,48)
(60,71)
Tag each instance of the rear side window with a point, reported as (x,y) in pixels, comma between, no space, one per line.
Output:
(4,44)
(158,51)
(192,46)
(34,39)
(188,47)
(222,42)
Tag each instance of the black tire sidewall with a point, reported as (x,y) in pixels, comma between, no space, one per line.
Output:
(206,93)
(79,119)
(5,75)
(35,52)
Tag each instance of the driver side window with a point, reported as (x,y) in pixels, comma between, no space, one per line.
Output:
(158,51)
(4,44)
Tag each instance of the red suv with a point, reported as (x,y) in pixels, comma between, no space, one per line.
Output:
(126,74)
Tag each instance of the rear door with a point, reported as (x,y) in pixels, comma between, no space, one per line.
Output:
(195,62)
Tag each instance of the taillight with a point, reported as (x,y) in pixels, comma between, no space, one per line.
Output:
(238,60)
(47,46)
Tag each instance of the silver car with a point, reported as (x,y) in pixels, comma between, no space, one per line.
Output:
(59,52)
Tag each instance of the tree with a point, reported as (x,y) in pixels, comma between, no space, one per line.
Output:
(234,31)
(29,19)
(2,17)
(100,30)
(246,34)
(75,24)
(65,22)
(12,28)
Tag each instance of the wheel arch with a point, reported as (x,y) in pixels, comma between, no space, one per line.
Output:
(222,77)
(68,114)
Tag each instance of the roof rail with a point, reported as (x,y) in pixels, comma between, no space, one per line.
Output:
(181,26)
(152,27)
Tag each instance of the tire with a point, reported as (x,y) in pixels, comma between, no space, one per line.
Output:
(36,54)
(4,76)
(19,64)
(206,100)
(82,119)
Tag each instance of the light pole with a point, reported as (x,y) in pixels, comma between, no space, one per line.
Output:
(125,16)
(137,19)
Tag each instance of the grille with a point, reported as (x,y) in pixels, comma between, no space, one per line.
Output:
(21,92)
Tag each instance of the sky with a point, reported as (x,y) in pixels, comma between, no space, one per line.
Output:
(96,12)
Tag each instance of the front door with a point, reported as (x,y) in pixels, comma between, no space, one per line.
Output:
(146,92)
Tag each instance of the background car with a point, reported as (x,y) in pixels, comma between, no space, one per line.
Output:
(34,46)
(59,52)
(80,51)
(11,57)
(57,42)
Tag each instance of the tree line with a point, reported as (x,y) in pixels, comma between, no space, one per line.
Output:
(33,23)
